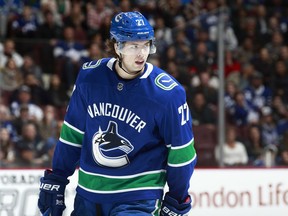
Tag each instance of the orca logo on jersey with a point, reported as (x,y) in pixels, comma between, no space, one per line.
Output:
(109,148)
(165,82)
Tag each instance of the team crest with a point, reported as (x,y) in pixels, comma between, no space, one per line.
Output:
(110,149)
(165,82)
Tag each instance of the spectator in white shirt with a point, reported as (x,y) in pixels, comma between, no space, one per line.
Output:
(234,152)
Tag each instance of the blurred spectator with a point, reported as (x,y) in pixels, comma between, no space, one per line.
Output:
(232,67)
(284,55)
(203,36)
(96,13)
(273,26)
(10,78)
(24,28)
(22,119)
(30,67)
(269,133)
(229,95)
(206,87)
(247,70)
(56,93)
(6,149)
(48,32)
(283,161)
(279,108)
(229,98)
(234,152)
(201,111)
(104,30)
(246,51)
(257,95)
(94,52)
(168,55)
(180,25)
(201,57)
(254,145)
(37,91)
(68,52)
(239,112)
(63,7)
(8,52)
(178,73)
(30,149)
(98,39)
(210,17)
(279,80)
(263,63)
(248,29)
(51,6)
(163,34)
(283,149)
(76,20)
(125,6)
(50,144)
(183,49)
(230,39)
(48,126)
(8,9)
(169,10)
(275,44)
(23,97)
(6,121)
(261,20)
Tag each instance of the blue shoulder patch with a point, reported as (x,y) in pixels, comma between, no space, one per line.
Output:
(165,82)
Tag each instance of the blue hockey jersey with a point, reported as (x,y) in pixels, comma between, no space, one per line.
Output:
(128,137)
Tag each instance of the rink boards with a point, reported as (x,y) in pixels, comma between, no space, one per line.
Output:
(215,192)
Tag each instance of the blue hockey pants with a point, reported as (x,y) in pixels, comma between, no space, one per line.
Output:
(83,207)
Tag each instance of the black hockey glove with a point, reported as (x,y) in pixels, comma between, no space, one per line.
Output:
(171,206)
(51,196)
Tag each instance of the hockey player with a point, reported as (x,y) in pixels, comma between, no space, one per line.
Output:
(129,129)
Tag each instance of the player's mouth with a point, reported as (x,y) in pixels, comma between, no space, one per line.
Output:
(140,62)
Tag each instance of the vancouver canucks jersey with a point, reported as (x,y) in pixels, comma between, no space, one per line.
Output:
(127,136)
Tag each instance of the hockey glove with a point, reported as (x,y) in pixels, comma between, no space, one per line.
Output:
(51,197)
(171,207)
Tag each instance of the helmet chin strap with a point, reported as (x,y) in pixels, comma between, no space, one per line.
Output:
(119,59)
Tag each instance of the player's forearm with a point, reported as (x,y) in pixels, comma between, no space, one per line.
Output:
(178,179)
(65,159)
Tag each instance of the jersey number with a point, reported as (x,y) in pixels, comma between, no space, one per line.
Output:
(184,112)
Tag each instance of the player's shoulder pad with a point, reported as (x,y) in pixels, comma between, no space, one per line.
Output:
(165,81)
(89,68)
(91,64)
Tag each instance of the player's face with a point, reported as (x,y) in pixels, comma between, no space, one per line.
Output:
(134,54)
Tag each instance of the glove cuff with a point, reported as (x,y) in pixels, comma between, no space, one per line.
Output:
(173,202)
(49,175)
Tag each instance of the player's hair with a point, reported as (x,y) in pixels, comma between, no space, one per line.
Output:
(109,43)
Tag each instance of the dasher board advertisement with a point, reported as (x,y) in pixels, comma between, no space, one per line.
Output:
(215,192)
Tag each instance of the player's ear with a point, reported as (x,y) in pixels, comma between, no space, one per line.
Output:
(116,49)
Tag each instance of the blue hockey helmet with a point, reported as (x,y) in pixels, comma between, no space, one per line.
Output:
(130,26)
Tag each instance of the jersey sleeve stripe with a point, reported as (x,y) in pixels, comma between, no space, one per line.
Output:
(72,127)
(183,146)
(182,156)
(183,164)
(69,143)
(71,136)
